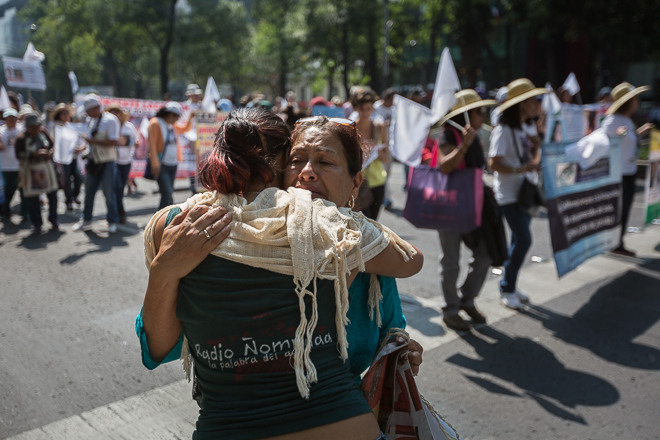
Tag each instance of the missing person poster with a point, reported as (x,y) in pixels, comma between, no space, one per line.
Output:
(584,204)
(652,187)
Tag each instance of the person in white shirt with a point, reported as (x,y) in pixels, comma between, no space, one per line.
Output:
(71,176)
(619,123)
(8,162)
(512,154)
(125,149)
(101,165)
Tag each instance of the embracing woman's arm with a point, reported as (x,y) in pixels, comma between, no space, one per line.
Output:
(180,247)
(390,263)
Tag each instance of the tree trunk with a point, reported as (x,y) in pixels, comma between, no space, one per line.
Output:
(165,49)
(331,79)
(372,67)
(112,72)
(344,51)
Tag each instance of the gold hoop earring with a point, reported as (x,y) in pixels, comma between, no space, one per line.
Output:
(351,203)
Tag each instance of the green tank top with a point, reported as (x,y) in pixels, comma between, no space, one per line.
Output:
(240,323)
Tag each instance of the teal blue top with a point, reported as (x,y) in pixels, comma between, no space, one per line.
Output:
(362,333)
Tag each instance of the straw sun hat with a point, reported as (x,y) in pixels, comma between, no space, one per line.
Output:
(518,91)
(466,100)
(124,115)
(623,93)
(60,108)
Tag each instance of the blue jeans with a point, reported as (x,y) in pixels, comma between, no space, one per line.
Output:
(521,240)
(166,185)
(106,180)
(121,177)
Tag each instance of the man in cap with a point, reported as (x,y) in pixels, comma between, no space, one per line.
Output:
(8,162)
(101,166)
(34,146)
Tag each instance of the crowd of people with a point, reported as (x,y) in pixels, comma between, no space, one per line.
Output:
(284,283)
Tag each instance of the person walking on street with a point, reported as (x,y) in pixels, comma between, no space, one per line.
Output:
(164,153)
(101,165)
(8,162)
(33,146)
(71,176)
(125,149)
(619,123)
(511,156)
(461,150)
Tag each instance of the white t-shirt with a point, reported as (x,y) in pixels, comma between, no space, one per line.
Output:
(170,152)
(383,112)
(125,153)
(8,136)
(108,127)
(502,144)
(629,143)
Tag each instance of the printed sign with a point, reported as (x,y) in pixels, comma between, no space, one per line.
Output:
(652,187)
(26,75)
(205,139)
(584,205)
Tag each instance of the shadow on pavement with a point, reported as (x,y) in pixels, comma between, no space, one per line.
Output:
(419,316)
(616,314)
(534,369)
(103,244)
(40,241)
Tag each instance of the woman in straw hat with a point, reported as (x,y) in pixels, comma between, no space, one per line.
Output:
(72,179)
(461,149)
(618,122)
(512,154)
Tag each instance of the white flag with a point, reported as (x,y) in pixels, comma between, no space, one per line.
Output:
(550,103)
(74,82)
(32,54)
(571,84)
(446,84)
(211,96)
(4,99)
(409,129)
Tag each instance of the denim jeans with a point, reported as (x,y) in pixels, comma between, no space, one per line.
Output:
(107,183)
(11,185)
(34,205)
(121,177)
(72,181)
(166,185)
(450,242)
(521,240)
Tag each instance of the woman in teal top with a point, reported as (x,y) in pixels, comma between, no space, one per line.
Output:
(240,321)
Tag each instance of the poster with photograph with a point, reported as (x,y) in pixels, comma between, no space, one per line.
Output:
(584,204)
(38,178)
(652,187)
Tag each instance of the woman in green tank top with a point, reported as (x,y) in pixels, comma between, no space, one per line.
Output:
(240,321)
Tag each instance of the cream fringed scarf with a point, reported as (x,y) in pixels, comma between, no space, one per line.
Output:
(288,233)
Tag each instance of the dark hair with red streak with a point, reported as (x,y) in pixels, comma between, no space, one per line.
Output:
(246,147)
(347,135)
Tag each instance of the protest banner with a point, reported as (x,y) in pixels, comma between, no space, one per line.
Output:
(584,204)
(652,186)
(138,108)
(24,74)
(207,127)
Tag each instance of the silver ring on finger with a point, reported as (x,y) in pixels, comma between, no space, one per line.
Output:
(208,236)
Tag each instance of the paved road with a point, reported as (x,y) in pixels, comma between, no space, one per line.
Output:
(563,369)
